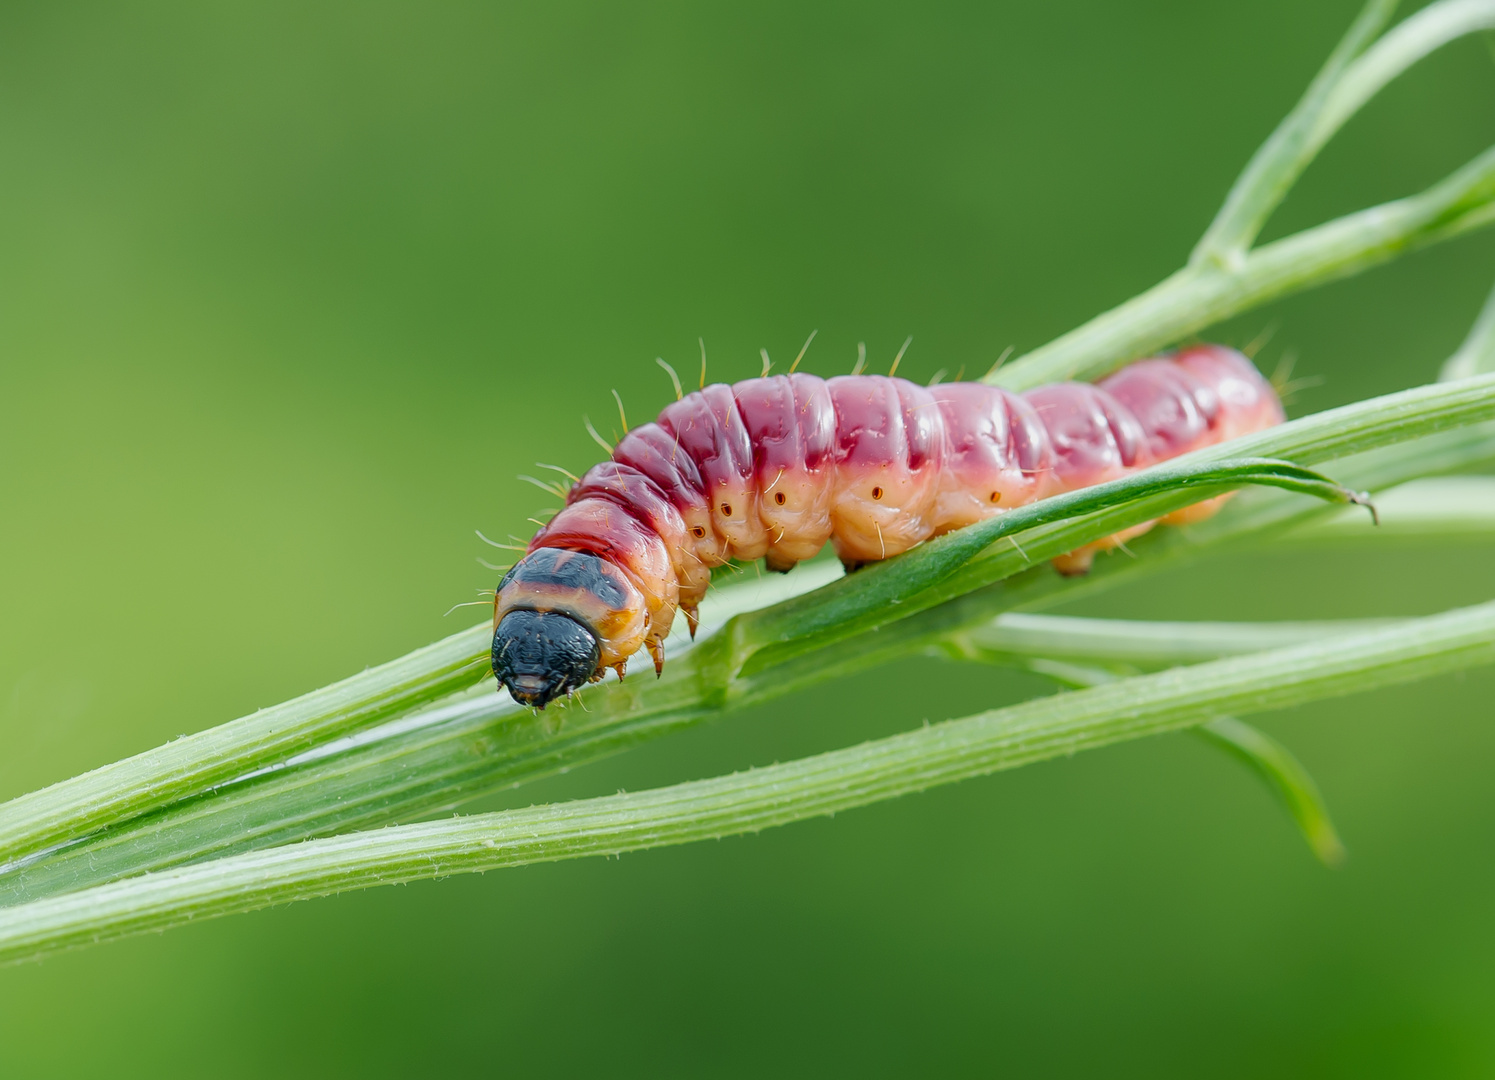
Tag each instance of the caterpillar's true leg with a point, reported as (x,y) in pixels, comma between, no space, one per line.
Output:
(656,650)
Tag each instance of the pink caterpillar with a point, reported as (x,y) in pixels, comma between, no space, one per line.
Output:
(774,467)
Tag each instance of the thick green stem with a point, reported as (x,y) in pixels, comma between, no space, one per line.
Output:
(761,798)
(194,763)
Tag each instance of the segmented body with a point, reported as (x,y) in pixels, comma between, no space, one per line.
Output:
(775,467)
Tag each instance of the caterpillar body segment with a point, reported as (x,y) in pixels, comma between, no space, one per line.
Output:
(776,467)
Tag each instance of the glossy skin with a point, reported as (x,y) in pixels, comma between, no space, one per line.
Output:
(773,468)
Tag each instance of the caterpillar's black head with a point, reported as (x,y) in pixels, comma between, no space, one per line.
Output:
(543,655)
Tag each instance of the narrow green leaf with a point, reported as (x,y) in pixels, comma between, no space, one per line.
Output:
(771,637)
(844,608)
(1441,508)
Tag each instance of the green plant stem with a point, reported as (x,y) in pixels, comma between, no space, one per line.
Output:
(1348,80)
(761,798)
(197,762)
(1018,638)
(1419,35)
(1268,758)
(1285,775)
(484,747)
(1273,169)
(1476,356)
(1223,277)
(1198,296)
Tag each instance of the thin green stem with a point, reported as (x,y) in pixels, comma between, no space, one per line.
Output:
(761,798)
(1279,162)
(1268,758)
(1198,296)
(1016,638)
(1285,775)
(1476,356)
(1348,80)
(1223,277)
(1418,36)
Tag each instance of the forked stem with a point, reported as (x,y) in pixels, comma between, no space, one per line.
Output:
(1224,277)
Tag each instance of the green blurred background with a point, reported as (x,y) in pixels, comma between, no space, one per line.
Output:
(289,294)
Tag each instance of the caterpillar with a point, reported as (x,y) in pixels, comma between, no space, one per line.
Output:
(774,467)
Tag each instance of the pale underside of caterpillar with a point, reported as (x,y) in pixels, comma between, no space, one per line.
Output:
(775,467)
